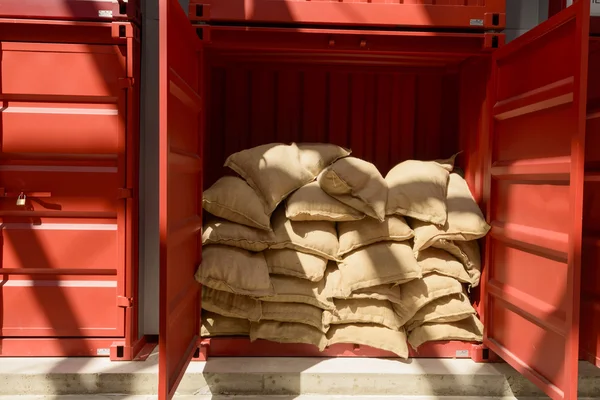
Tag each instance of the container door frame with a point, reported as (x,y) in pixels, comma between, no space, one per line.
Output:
(532,81)
(180,183)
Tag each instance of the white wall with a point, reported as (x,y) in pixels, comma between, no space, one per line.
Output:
(522,15)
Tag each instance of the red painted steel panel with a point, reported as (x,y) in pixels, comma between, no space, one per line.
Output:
(242,347)
(71,10)
(535,201)
(462,14)
(68,139)
(590,272)
(180,179)
(275,103)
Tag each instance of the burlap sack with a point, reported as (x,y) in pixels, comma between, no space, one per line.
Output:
(333,285)
(234,270)
(418,189)
(220,231)
(366,311)
(376,336)
(466,330)
(357,183)
(295,263)
(315,157)
(378,264)
(452,308)
(232,199)
(218,325)
(230,305)
(467,253)
(388,292)
(443,263)
(287,332)
(465,220)
(311,203)
(314,237)
(288,289)
(356,234)
(297,312)
(272,170)
(418,293)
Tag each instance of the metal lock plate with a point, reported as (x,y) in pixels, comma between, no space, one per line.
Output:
(21,199)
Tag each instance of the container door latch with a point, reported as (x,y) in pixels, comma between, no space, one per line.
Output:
(124,302)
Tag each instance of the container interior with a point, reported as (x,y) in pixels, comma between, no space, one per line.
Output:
(385,110)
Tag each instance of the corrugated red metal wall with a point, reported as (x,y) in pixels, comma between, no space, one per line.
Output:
(69,131)
(590,269)
(72,10)
(436,14)
(384,116)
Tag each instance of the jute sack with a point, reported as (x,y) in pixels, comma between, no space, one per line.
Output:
(315,157)
(231,305)
(366,311)
(440,261)
(333,285)
(418,189)
(288,289)
(272,170)
(466,330)
(232,199)
(465,221)
(295,263)
(378,264)
(314,237)
(452,308)
(357,183)
(356,234)
(467,253)
(311,203)
(287,332)
(388,292)
(218,325)
(376,336)
(418,293)
(220,231)
(234,270)
(297,312)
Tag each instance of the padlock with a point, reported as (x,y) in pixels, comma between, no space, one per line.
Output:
(21,199)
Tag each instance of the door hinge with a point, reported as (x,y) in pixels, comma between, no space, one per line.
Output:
(124,193)
(126,83)
(125,302)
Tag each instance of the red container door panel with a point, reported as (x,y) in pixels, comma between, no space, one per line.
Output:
(475,14)
(71,10)
(536,201)
(590,273)
(180,183)
(64,152)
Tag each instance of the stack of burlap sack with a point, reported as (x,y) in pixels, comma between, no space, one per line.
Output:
(311,245)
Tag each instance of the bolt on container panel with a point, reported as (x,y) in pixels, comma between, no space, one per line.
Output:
(67,179)
(424,14)
(72,10)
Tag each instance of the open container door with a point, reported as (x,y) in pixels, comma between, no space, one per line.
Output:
(537,127)
(180,183)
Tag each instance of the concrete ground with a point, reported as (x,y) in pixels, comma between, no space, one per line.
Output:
(275,379)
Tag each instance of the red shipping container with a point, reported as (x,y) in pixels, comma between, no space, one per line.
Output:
(423,14)
(72,10)
(518,112)
(70,128)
